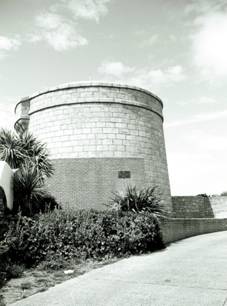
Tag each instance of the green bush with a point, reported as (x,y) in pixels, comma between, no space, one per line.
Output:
(82,235)
(146,199)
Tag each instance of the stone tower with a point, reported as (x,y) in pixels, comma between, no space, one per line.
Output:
(101,138)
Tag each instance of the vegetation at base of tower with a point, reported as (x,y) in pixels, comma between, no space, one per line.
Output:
(24,152)
(134,200)
(29,190)
(54,238)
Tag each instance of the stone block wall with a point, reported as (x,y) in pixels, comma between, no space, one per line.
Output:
(176,229)
(192,207)
(99,121)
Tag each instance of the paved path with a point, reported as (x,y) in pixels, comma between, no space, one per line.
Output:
(190,272)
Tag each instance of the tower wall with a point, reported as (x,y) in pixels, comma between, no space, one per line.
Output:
(101,138)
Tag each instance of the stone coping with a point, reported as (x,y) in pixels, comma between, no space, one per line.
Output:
(72,85)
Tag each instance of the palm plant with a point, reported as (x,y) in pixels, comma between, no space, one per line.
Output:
(143,200)
(37,153)
(15,149)
(11,149)
(28,187)
(30,156)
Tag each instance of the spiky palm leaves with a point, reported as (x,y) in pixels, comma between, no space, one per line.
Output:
(16,149)
(11,149)
(37,154)
(28,187)
(30,156)
(146,199)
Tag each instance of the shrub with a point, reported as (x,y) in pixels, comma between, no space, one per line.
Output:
(30,195)
(137,201)
(82,235)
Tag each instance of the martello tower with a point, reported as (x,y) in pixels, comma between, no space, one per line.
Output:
(101,138)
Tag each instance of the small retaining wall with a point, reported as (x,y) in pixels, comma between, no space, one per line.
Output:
(191,207)
(179,228)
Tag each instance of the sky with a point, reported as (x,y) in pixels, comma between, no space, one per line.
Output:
(177,49)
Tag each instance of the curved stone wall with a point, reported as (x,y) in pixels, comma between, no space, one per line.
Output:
(100,133)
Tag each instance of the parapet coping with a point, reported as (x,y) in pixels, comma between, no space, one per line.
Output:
(72,85)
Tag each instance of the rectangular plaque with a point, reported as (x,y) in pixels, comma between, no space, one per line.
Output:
(124,174)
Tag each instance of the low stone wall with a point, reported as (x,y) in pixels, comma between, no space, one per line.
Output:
(179,228)
(191,207)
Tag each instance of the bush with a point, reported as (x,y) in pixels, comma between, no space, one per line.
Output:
(133,200)
(82,235)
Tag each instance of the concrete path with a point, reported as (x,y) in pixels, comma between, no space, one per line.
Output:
(190,272)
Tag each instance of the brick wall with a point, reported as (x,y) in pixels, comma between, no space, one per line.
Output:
(176,229)
(90,182)
(191,207)
(103,121)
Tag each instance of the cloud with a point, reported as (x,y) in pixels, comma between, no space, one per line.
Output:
(210,44)
(118,71)
(204,7)
(200,118)
(7,43)
(88,9)
(58,32)
(114,69)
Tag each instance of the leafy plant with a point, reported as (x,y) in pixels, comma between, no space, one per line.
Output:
(16,149)
(30,156)
(137,201)
(11,149)
(63,235)
(28,189)
(36,154)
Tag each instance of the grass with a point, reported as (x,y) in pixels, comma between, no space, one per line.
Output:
(37,279)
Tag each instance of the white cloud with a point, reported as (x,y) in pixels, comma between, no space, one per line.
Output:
(118,71)
(57,32)
(7,43)
(88,9)
(210,44)
(200,118)
(114,69)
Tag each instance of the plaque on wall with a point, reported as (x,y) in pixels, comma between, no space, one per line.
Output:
(124,174)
